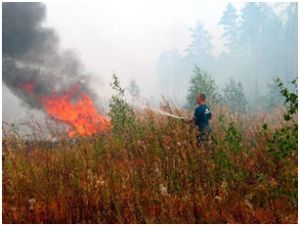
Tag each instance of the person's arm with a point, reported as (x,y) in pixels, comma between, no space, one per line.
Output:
(189,120)
(193,119)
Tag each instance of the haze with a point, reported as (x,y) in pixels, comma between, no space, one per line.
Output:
(128,38)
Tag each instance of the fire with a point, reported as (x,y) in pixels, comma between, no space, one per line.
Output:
(81,115)
(27,87)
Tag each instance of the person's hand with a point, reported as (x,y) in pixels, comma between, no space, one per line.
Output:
(188,120)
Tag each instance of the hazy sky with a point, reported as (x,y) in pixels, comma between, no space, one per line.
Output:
(127,37)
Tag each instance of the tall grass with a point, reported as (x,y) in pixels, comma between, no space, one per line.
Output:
(150,169)
(153,173)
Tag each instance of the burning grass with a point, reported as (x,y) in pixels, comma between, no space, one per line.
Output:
(152,173)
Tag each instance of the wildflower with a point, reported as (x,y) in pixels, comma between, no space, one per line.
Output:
(249,196)
(224,185)
(185,198)
(100,182)
(218,198)
(54,140)
(140,142)
(31,203)
(163,189)
(156,170)
(273,183)
(247,203)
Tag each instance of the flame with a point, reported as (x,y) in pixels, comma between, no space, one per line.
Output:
(81,116)
(27,87)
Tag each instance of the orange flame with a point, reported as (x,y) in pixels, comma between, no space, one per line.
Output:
(27,87)
(82,115)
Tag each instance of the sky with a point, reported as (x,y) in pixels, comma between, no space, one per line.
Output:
(127,37)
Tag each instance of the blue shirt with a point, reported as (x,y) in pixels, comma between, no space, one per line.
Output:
(202,116)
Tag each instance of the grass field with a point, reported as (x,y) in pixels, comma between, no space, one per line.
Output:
(154,172)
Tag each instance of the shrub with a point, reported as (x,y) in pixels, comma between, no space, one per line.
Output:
(202,82)
(122,115)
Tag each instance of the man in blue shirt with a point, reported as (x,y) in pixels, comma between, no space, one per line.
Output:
(202,115)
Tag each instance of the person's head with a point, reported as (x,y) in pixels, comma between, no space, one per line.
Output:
(201,98)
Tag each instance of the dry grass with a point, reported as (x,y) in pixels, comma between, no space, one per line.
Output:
(154,175)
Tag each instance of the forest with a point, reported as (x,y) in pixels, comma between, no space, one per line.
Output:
(261,44)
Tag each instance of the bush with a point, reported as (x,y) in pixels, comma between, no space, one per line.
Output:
(122,115)
(284,141)
(202,82)
(234,96)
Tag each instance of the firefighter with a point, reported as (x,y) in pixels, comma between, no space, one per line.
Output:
(201,118)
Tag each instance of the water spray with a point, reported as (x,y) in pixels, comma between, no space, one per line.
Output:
(161,112)
(166,113)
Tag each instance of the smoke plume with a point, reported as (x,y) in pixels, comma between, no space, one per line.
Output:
(33,63)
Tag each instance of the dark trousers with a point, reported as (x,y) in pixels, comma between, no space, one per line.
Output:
(203,134)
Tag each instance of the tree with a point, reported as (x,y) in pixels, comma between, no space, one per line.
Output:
(271,43)
(234,96)
(290,37)
(200,41)
(273,98)
(259,42)
(202,82)
(284,141)
(173,71)
(199,51)
(122,115)
(230,25)
(134,90)
(249,27)
(174,68)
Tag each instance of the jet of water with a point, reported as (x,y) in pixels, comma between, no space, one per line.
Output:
(163,112)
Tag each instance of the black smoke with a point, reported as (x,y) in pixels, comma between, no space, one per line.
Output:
(32,55)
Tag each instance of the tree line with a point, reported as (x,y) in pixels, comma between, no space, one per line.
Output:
(260,45)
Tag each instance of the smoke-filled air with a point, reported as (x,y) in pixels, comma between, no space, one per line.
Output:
(149,112)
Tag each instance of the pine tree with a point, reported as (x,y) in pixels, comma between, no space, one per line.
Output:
(199,51)
(290,33)
(249,27)
(230,25)
(271,41)
(173,71)
(134,90)
(200,41)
